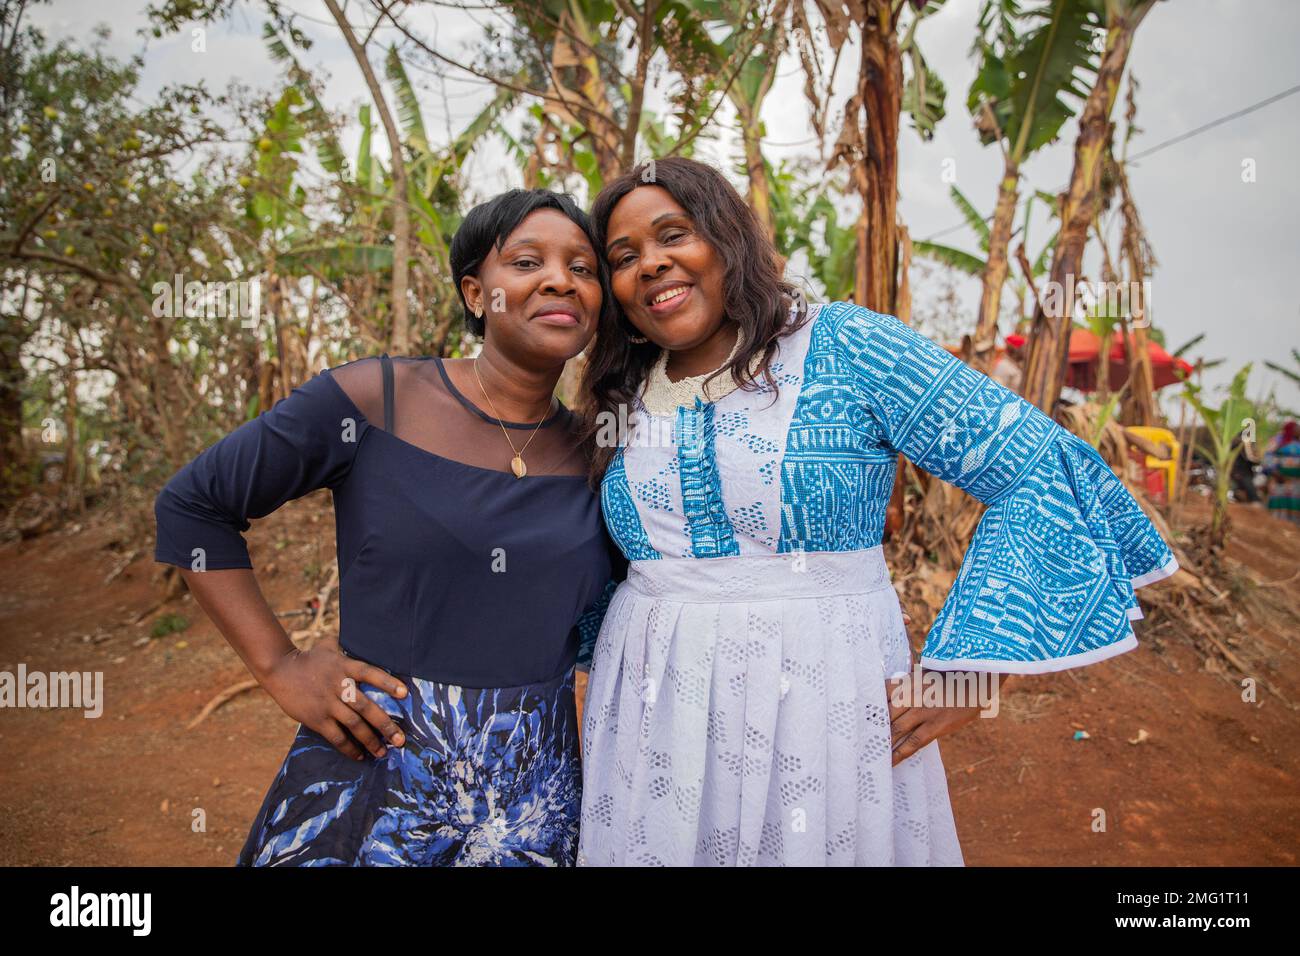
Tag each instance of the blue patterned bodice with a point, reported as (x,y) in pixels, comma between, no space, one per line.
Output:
(810,466)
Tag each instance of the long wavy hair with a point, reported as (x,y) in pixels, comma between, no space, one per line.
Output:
(755,293)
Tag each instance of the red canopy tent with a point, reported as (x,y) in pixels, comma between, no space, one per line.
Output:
(1084,350)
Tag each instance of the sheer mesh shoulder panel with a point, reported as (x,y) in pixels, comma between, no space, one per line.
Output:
(363,383)
(431,414)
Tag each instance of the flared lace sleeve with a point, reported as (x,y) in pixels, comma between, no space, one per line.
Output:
(1048,580)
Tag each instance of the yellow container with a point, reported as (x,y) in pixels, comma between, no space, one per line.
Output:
(1165,438)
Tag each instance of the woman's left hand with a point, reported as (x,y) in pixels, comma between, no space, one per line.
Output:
(914,727)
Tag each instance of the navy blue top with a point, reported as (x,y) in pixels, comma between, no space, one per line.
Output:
(448,571)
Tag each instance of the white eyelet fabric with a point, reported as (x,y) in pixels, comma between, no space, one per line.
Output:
(740,705)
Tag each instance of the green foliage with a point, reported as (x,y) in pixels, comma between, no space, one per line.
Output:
(1224,426)
(806,219)
(103,202)
(169,624)
(974,265)
(923,90)
(1025,78)
(1105,415)
(1291,373)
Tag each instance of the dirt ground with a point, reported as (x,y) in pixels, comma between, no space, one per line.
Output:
(1211,782)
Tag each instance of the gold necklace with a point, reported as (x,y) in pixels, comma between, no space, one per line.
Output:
(517,463)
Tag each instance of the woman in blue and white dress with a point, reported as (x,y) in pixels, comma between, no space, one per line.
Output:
(737,710)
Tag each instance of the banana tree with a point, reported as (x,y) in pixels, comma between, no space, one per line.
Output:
(1224,425)
(400,338)
(434,190)
(1050,336)
(976,265)
(744,61)
(1017,102)
(276,223)
(351,254)
(868,140)
(1293,374)
(356,251)
(587,97)
(805,218)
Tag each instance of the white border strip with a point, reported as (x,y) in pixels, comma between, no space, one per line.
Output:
(1159,574)
(1034,667)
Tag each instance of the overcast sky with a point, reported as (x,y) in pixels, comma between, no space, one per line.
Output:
(1226,248)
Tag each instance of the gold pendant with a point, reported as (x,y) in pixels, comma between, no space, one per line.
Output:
(518,467)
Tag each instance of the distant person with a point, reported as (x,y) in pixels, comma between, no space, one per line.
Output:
(1282,465)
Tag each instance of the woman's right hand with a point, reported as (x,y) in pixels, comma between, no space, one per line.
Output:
(320,688)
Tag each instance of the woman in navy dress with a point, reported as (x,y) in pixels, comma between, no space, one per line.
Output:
(441,729)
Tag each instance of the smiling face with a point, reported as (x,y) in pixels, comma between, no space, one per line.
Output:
(664,273)
(540,292)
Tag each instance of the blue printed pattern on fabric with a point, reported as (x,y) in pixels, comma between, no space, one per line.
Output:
(722,497)
(620,513)
(486,777)
(1048,579)
(711,533)
(838,473)
(590,622)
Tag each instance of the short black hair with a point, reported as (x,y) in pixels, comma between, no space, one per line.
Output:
(490,223)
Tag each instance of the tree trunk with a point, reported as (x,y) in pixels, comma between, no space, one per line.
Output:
(399,338)
(880,89)
(760,190)
(1141,384)
(13,457)
(281,360)
(73,472)
(1141,377)
(996,266)
(1050,335)
(903,312)
(748,116)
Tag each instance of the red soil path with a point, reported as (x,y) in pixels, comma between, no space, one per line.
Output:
(1212,783)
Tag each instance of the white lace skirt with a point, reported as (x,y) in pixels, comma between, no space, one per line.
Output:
(736,714)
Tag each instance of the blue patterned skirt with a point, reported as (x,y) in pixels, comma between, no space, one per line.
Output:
(487,777)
